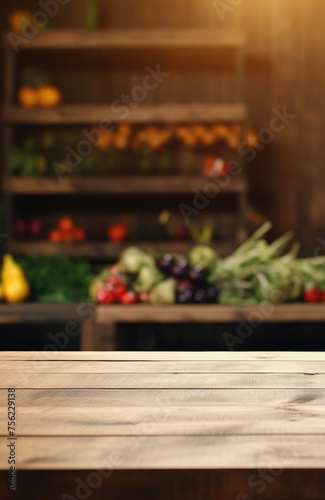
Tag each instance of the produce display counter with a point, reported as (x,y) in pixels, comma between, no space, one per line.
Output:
(101,333)
(105,339)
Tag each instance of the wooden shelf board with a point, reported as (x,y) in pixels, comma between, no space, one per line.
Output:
(164,113)
(107,250)
(210,313)
(46,313)
(120,185)
(38,313)
(131,39)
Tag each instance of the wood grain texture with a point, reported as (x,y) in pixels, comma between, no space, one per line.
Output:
(20,380)
(167,421)
(163,452)
(103,398)
(178,367)
(136,39)
(166,411)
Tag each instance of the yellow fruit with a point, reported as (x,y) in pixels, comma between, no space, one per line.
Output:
(15,285)
(1,292)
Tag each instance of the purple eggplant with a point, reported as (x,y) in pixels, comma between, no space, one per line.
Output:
(183,285)
(200,296)
(166,263)
(180,270)
(211,294)
(185,296)
(197,274)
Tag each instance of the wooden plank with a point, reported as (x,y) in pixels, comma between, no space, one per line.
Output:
(136,39)
(168,484)
(233,356)
(95,250)
(189,452)
(167,421)
(38,313)
(178,367)
(164,113)
(163,381)
(118,185)
(103,398)
(213,313)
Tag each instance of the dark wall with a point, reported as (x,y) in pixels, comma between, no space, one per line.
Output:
(285,69)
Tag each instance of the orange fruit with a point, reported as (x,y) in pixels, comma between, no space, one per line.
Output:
(54,236)
(79,234)
(66,224)
(28,97)
(17,20)
(49,96)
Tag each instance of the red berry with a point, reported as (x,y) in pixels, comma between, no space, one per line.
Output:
(105,297)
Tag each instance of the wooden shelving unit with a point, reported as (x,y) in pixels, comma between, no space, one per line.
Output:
(134,41)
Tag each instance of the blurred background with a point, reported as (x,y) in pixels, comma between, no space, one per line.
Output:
(253,101)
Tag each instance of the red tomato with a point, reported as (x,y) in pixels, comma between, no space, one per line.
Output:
(54,236)
(117,286)
(115,280)
(129,298)
(66,224)
(66,236)
(105,297)
(144,297)
(117,233)
(323,297)
(313,295)
(79,234)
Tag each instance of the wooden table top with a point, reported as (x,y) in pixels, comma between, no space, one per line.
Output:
(155,410)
